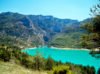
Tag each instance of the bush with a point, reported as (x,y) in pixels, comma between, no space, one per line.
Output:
(61,69)
(88,70)
(38,61)
(49,63)
(5,55)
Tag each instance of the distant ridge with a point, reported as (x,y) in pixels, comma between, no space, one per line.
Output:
(32,30)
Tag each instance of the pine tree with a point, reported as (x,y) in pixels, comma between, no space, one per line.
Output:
(92,39)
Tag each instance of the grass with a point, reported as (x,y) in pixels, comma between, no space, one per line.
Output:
(12,68)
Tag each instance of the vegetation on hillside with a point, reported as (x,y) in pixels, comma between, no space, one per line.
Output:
(71,40)
(13,68)
(13,54)
(70,37)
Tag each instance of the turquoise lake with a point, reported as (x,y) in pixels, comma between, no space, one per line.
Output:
(80,57)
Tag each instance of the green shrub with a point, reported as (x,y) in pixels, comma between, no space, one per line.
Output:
(61,69)
(88,70)
(39,61)
(49,63)
(5,55)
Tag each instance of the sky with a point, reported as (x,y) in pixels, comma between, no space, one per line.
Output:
(64,9)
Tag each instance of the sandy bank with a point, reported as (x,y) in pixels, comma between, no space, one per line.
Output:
(71,48)
(63,48)
(29,48)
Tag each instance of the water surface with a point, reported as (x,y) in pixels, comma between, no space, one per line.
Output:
(80,57)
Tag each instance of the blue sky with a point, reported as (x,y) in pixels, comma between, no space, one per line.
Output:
(72,9)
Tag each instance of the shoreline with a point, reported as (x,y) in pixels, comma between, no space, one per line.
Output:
(70,48)
(63,48)
(32,48)
(29,48)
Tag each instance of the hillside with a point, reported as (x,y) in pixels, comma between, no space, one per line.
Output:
(16,28)
(70,37)
(30,30)
(12,68)
(13,61)
(37,30)
(67,40)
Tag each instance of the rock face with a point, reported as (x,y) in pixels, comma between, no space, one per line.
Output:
(31,30)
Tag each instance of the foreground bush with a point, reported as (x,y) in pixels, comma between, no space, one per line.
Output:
(5,53)
(49,63)
(61,69)
(88,70)
(39,61)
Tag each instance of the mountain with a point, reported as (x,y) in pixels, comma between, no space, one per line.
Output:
(70,37)
(50,24)
(17,29)
(31,30)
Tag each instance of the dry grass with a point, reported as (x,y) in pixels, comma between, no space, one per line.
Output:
(11,68)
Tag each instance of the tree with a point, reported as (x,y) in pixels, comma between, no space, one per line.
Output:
(49,63)
(92,39)
(38,61)
(98,71)
(59,63)
(88,70)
